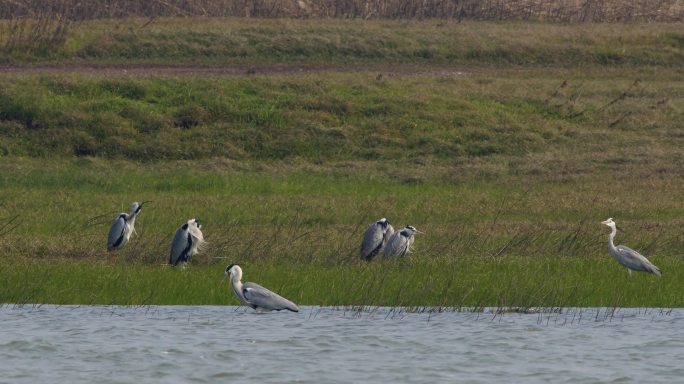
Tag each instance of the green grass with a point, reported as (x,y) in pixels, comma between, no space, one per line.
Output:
(333,117)
(487,243)
(508,171)
(214,41)
(464,282)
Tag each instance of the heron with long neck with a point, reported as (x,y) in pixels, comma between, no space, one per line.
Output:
(122,228)
(256,296)
(633,260)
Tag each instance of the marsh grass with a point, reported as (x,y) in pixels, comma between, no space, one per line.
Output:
(486,244)
(464,283)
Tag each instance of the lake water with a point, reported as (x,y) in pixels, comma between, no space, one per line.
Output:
(161,344)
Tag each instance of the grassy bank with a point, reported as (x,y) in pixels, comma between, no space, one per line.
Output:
(510,241)
(508,171)
(442,116)
(466,282)
(226,41)
(304,214)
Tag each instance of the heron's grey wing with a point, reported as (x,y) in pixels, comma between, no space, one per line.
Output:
(261,297)
(636,261)
(372,242)
(116,232)
(180,245)
(396,246)
(404,244)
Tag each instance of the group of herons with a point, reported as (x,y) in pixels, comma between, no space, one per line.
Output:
(379,237)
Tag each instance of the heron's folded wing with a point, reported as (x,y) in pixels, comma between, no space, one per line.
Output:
(116,232)
(634,259)
(394,244)
(629,253)
(372,241)
(261,297)
(179,246)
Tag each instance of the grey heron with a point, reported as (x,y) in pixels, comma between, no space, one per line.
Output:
(122,228)
(256,296)
(633,260)
(399,244)
(375,238)
(186,243)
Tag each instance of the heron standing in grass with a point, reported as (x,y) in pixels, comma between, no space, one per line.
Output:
(633,260)
(399,244)
(375,238)
(122,228)
(256,296)
(186,243)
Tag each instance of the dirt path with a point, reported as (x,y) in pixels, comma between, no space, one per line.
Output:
(181,70)
(235,70)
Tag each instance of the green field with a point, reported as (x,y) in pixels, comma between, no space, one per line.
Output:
(508,165)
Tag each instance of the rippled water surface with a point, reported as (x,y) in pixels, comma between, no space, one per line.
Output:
(324,345)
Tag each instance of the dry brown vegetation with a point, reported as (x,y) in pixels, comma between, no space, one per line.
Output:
(547,10)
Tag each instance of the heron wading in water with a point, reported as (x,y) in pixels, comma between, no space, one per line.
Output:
(122,227)
(375,238)
(256,296)
(187,242)
(399,244)
(633,260)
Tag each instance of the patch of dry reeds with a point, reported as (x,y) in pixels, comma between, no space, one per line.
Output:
(547,10)
(32,27)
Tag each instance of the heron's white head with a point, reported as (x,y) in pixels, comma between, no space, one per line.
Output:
(136,207)
(609,222)
(195,223)
(412,229)
(234,271)
(384,223)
